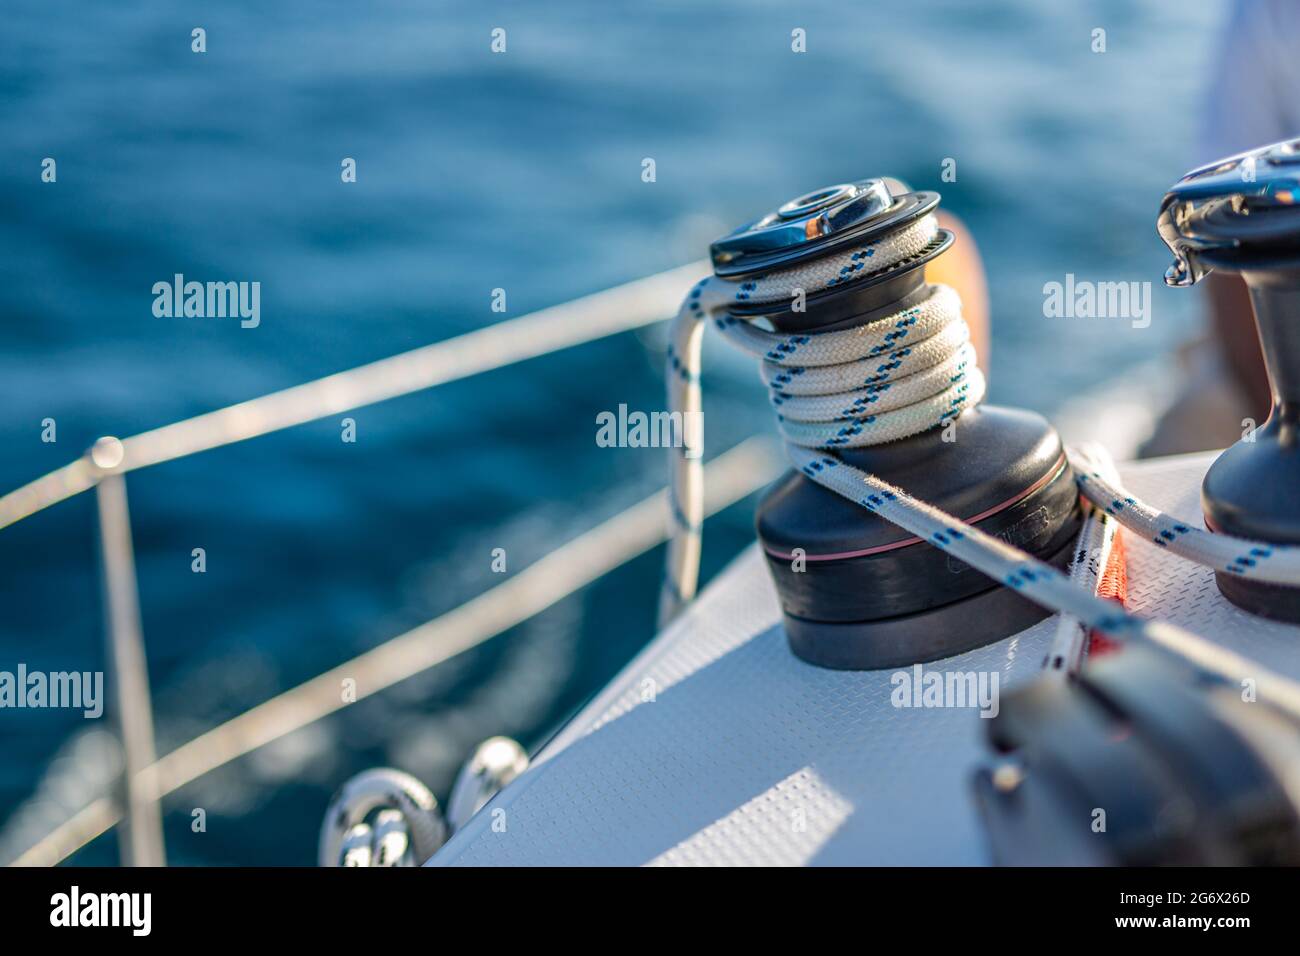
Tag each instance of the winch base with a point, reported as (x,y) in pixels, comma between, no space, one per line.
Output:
(917,638)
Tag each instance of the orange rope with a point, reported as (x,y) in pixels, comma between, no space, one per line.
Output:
(1112,584)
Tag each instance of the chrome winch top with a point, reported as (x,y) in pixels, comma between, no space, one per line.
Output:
(1210,209)
(816,222)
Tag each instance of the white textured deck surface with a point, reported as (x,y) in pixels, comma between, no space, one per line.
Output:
(716,746)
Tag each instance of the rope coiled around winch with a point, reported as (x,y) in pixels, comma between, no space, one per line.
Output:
(867,385)
(824,387)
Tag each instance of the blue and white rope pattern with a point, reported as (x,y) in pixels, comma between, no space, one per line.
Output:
(1087,565)
(999,560)
(1273,563)
(833,358)
(868,385)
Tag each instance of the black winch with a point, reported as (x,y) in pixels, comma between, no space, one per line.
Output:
(857,591)
(1242,215)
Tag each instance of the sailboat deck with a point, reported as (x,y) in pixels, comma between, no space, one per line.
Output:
(716,746)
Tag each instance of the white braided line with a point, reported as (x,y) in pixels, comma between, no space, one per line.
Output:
(839,268)
(887,426)
(1087,565)
(899,402)
(1272,563)
(866,372)
(882,337)
(884,396)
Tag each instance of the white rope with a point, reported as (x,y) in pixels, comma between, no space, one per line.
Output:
(1070,642)
(810,446)
(876,383)
(1273,563)
(1087,566)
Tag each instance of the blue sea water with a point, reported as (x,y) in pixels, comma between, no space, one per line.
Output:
(476,171)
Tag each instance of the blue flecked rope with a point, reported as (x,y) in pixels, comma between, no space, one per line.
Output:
(898,376)
(1273,563)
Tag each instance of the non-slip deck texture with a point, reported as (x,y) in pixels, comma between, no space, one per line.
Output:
(716,746)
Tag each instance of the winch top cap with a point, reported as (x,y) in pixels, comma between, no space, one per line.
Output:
(1250,199)
(810,225)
